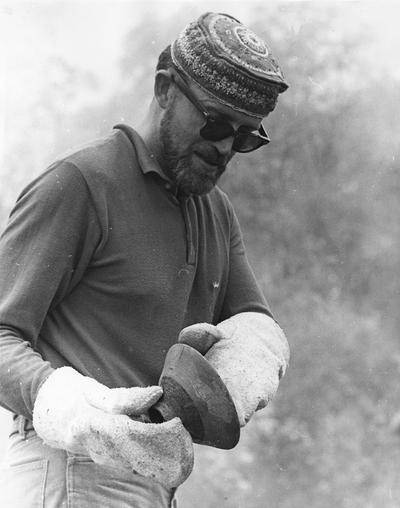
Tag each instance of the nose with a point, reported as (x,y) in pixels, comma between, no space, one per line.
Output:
(224,146)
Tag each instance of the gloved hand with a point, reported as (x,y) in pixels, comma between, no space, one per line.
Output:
(250,353)
(76,413)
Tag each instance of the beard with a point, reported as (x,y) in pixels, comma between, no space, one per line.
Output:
(195,172)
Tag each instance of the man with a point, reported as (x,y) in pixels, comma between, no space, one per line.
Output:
(112,254)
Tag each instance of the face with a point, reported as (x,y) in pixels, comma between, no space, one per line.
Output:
(193,163)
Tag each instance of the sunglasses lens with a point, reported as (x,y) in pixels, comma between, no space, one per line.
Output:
(247,142)
(215,130)
(243,142)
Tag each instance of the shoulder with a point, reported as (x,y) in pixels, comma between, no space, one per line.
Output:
(101,158)
(76,179)
(95,171)
(60,182)
(77,169)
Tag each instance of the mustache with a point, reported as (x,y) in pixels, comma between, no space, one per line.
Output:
(213,157)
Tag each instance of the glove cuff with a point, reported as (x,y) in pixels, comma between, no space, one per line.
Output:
(56,404)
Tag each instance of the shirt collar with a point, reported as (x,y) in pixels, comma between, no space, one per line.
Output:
(147,161)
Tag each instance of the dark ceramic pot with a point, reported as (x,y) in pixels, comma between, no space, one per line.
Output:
(194,391)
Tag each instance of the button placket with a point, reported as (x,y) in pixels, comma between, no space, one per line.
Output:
(190,246)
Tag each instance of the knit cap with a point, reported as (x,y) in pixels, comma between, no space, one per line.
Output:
(229,62)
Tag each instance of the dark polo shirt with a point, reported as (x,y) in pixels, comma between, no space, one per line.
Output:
(101,266)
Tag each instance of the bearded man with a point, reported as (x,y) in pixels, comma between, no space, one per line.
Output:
(113,253)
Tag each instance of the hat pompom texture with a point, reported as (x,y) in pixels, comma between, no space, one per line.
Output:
(230,62)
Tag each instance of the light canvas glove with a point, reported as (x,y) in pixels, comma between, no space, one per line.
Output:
(250,353)
(76,413)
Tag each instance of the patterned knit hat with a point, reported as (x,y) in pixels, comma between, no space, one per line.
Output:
(230,62)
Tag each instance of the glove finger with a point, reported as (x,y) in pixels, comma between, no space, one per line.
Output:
(128,401)
(168,445)
(135,401)
(200,336)
(162,451)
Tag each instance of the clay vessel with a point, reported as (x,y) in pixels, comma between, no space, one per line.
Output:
(194,391)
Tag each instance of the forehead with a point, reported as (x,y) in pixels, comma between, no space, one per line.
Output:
(216,108)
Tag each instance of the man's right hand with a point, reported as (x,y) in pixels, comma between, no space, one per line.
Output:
(76,413)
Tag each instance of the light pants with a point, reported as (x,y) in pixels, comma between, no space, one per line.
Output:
(33,475)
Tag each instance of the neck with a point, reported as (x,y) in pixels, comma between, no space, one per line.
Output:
(148,130)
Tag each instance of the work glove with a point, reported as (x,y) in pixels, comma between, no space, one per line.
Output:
(250,353)
(78,414)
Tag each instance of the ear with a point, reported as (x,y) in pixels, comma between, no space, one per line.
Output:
(162,87)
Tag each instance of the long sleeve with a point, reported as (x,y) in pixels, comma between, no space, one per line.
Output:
(48,242)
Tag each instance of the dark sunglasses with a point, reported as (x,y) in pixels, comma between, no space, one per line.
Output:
(216,129)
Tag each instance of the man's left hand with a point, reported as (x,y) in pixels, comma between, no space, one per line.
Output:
(250,353)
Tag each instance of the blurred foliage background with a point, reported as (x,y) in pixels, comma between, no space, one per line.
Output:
(319,208)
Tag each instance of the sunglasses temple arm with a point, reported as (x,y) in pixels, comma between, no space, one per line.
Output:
(264,133)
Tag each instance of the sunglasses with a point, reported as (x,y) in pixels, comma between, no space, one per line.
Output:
(216,129)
